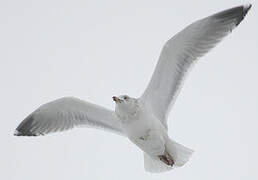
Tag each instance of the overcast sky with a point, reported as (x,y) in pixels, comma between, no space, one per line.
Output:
(89,49)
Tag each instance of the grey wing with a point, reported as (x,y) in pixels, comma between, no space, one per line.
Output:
(67,113)
(181,51)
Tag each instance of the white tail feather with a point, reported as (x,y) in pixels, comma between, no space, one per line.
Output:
(179,153)
(154,165)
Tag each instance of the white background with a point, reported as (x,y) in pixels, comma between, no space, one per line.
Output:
(89,49)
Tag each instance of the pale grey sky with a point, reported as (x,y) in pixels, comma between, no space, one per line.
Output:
(87,49)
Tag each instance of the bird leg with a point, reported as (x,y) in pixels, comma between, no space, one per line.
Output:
(167,159)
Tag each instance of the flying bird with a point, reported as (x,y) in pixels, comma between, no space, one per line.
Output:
(143,120)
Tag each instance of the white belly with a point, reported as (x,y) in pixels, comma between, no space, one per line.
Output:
(147,133)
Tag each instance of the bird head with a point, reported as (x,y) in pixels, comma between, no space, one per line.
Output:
(125,105)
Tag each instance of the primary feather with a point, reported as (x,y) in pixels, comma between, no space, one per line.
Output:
(181,51)
(67,113)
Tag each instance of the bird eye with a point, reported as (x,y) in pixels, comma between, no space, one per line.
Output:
(125,97)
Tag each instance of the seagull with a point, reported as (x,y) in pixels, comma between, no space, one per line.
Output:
(143,120)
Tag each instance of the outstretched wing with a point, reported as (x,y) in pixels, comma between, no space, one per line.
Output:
(67,113)
(181,51)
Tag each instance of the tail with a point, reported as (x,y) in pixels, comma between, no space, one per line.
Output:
(179,153)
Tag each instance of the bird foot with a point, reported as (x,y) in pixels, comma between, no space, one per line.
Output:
(167,159)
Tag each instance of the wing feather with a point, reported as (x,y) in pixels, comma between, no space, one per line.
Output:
(67,113)
(179,54)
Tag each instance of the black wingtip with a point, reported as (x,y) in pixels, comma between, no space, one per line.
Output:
(247,6)
(18,133)
(237,13)
(245,9)
(24,129)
